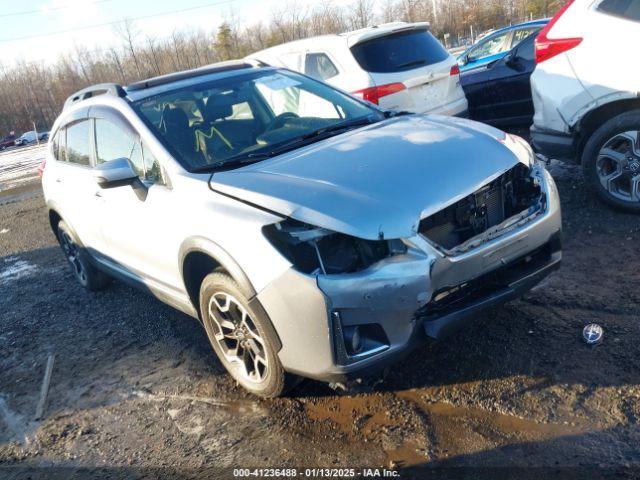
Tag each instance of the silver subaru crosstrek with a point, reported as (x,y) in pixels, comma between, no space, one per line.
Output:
(313,234)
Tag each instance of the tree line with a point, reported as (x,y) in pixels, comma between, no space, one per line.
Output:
(34,92)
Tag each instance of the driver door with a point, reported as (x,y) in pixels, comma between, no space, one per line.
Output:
(136,232)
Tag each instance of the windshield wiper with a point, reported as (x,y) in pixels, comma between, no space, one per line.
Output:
(413,63)
(396,113)
(249,158)
(358,122)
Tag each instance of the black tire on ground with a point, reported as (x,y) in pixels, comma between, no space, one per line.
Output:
(624,122)
(87,275)
(276,381)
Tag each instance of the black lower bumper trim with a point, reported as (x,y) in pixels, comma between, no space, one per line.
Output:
(553,144)
(445,325)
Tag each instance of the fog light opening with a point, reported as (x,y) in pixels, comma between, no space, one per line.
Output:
(353,340)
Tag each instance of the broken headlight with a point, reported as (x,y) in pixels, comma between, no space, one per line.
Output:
(318,250)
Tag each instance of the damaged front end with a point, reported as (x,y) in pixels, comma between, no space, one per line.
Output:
(362,304)
(512,200)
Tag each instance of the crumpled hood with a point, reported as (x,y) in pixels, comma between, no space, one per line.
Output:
(378,181)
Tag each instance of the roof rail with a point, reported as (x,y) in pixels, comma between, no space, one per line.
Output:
(196,72)
(99,89)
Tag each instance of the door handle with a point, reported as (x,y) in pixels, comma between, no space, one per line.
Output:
(98,194)
(58,180)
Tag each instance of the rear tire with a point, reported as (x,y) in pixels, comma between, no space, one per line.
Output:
(241,339)
(87,275)
(611,161)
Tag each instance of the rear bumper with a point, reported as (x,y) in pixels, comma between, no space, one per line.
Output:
(457,108)
(552,144)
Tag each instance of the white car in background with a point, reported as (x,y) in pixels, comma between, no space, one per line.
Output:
(586,93)
(398,66)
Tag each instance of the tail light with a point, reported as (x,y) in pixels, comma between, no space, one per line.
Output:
(455,70)
(546,47)
(374,94)
(41,167)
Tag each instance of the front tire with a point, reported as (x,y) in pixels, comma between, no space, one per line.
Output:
(87,275)
(240,338)
(611,161)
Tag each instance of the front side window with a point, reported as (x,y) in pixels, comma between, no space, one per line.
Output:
(152,169)
(246,116)
(526,49)
(78,145)
(629,9)
(320,66)
(520,35)
(491,46)
(399,52)
(113,142)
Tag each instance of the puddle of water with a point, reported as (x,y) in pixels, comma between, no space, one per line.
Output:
(349,413)
(466,430)
(451,430)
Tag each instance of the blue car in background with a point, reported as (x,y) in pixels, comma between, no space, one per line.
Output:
(496,45)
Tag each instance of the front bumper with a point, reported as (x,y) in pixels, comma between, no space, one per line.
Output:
(398,295)
(552,144)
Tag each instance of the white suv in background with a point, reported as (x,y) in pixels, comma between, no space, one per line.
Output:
(398,66)
(586,92)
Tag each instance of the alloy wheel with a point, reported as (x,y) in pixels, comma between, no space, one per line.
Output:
(238,337)
(72,252)
(618,166)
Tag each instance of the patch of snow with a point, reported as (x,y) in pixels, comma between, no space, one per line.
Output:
(15,268)
(4,230)
(20,166)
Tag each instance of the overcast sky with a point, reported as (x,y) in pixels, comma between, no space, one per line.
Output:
(49,16)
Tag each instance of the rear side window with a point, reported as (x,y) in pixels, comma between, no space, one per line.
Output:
(57,145)
(320,66)
(629,9)
(399,52)
(79,143)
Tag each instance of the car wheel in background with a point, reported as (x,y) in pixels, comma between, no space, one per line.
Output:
(87,275)
(611,161)
(240,337)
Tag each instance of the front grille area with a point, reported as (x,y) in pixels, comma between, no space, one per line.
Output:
(512,193)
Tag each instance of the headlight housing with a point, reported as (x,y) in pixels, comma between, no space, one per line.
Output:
(316,250)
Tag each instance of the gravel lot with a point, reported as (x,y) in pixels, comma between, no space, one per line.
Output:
(136,390)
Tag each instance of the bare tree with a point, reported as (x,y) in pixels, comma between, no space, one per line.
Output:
(362,14)
(127,31)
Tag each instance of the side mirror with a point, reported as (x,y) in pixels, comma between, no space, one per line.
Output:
(114,173)
(511,59)
(462,61)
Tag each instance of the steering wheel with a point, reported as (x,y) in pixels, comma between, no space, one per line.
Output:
(280,120)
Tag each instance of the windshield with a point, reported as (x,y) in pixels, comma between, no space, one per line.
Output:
(218,123)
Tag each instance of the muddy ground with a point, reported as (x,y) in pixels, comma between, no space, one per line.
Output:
(136,391)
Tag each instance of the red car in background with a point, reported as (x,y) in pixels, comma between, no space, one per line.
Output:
(8,141)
